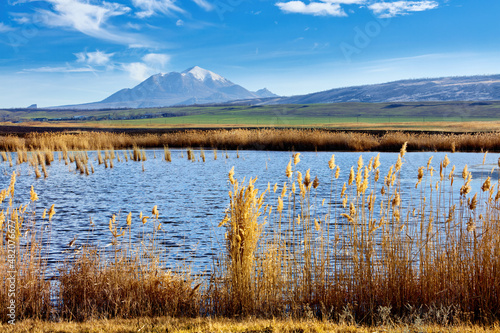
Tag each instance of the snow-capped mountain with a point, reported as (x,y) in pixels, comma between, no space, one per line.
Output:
(459,88)
(192,86)
(203,74)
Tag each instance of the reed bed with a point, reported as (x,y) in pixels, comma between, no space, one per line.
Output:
(129,282)
(259,139)
(23,268)
(434,257)
(131,285)
(371,252)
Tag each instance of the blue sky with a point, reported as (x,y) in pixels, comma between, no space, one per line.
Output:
(58,52)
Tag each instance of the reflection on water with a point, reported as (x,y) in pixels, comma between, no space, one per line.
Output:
(191,196)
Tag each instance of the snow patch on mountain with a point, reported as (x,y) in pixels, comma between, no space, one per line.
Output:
(203,74)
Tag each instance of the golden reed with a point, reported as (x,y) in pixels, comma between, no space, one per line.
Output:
(269,139)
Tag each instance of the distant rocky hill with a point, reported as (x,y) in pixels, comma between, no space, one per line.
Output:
(192,86)
(466,88)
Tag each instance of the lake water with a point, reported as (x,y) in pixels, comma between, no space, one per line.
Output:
(191,196)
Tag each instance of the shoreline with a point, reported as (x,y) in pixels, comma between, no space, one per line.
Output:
(21,130)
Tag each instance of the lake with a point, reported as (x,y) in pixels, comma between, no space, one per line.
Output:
(192,196)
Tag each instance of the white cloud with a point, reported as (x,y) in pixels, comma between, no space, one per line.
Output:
(98,58)
(20,19)
(59,70)
(137,70)
(179,23)
(156,59)
(81,56)
(151,7)
(204,4)
(347,2)
(335,7)
(88,18)
(391,9)
(152,63)
(15,2)
(313,8)
(134,26)
(82,16)
(5,28)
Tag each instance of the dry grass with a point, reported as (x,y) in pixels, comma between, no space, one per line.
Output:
(224,325)
(22,261)
(92,287)
(262,139)
(437,126)
(129,283)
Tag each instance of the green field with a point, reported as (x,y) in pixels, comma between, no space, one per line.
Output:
(269,115)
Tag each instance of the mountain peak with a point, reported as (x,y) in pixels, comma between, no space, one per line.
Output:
(265,93)
(194,85)
(202,74)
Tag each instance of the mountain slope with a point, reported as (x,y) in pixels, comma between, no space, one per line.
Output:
(466,88)
(192,86)
(200,86)
(264,93)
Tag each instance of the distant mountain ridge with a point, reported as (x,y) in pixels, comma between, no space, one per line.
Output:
(200,86)
(463,88)
(192,86)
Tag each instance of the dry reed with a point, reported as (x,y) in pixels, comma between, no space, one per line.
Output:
(429,256)
(167,153)
(91,285)
(22,268)
(268,139)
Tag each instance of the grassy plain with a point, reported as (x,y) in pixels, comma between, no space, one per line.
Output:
(448,116)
